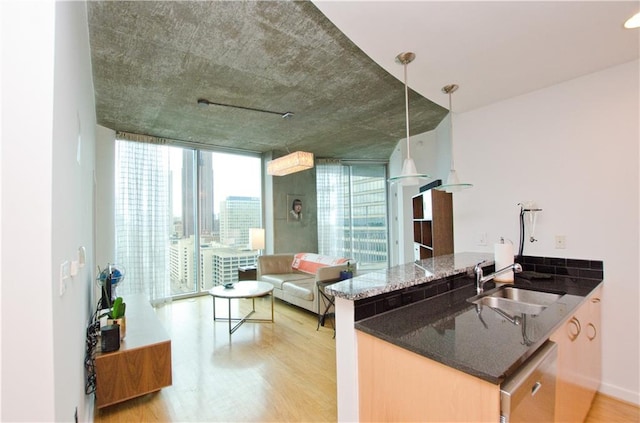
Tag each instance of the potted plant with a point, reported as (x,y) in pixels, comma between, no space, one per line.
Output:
(115,316)
(347,273)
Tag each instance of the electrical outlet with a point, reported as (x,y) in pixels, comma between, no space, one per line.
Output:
(561,242)
(482,238)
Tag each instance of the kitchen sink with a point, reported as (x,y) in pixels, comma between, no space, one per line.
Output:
(526,295)
(510,306)
(516,300)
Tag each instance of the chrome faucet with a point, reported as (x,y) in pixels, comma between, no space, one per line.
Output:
(481,279)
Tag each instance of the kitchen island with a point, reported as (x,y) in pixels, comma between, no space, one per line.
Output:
(421,308)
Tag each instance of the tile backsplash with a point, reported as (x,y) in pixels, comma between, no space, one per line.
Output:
(579,268)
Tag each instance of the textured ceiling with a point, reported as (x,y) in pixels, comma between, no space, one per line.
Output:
(152,61)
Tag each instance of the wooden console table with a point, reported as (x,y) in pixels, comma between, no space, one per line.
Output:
(143,362)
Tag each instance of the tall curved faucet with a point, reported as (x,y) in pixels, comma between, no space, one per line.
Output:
(481,279)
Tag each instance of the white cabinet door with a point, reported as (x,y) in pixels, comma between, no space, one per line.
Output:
(579,361)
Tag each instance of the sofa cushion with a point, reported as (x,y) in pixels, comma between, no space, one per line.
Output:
(301,289)
(278,279)
(310,262)
(275,264)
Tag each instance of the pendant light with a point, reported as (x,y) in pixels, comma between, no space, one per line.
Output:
(292,162)
(409,175)
(453,183)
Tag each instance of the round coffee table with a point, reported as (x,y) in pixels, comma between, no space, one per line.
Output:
(244,289)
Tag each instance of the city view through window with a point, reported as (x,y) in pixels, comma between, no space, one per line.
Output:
(352,213)
(183,217)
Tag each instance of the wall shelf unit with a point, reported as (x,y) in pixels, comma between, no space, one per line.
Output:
(432,222)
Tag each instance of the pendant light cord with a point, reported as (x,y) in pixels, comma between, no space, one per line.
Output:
(406,108)
(451,130)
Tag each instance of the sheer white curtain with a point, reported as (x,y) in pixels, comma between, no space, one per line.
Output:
(143,218)
(352,212)
(331,179)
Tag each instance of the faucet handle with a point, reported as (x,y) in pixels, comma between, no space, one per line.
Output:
(478,268)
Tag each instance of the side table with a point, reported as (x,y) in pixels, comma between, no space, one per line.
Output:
(247,273)
(325,301)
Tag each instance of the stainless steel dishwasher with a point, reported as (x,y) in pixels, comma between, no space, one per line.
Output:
(529,395)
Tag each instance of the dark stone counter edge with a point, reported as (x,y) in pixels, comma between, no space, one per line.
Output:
(572,286)
(403,293)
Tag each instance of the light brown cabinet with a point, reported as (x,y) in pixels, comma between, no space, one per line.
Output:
(397,385)
(432,224)
(143,362)
(579,360)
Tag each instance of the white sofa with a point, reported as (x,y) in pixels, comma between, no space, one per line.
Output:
(295,286)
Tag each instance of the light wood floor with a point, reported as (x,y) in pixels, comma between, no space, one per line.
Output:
(265,372)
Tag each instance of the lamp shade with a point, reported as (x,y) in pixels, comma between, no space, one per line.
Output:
(291,163)
(256,238)
(409,175)
(453,183)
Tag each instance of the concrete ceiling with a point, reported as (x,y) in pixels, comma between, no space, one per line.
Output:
(152,61)
(331,63)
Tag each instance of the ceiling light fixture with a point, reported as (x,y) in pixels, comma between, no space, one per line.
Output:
(291,163)
(204,103)
(633,22)
(453,183)
(409,175)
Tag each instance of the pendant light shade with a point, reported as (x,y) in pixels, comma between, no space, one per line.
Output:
(409,175)
(292,162)
(453,182)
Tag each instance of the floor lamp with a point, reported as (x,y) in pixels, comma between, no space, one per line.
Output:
(256,239)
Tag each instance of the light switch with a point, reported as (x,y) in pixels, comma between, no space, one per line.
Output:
(81,256)
(75,265)
(65,273)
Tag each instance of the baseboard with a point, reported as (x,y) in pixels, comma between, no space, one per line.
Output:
(620,394)
(89,408)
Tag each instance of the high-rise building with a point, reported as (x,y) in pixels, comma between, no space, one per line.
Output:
(205,192)
(237,215)
(352,214)
(218,264)
(181,264)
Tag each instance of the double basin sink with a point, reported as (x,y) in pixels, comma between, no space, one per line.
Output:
(511,299)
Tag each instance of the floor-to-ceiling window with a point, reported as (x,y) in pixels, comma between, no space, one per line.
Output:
(183,217)
(352,212)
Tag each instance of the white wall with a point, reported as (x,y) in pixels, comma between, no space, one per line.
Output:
(74,124)
(573,148)
(27,338)
(426,151)
(47,175)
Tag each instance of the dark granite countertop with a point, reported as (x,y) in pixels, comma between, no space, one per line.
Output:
(450,330)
